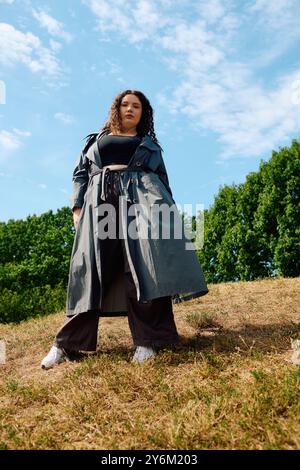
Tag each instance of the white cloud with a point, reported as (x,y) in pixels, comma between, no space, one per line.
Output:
(107,67)
(7,1)
(275,14)
(64,118)
(248,119)
(200,42)
(42,186)
(193,43)
(114,68)
(53,26)
(212,10)
(142,18)
(2,92)
(21,133)
(26,48)
(278,24)
(11,141)
(55,45)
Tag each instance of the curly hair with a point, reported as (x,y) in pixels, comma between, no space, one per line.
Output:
(145,125)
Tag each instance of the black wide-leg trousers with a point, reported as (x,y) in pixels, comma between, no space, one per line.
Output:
(151,323)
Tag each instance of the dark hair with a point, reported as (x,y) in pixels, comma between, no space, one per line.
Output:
(145,125)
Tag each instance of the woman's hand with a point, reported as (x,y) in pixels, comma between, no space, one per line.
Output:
(76,215)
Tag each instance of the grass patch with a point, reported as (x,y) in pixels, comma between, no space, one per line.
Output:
(201,320)
(226,385)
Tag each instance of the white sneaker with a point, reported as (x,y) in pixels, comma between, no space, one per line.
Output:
(142,353)
(54,356)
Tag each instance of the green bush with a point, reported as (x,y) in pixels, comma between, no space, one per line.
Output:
(16,306)
(34,264)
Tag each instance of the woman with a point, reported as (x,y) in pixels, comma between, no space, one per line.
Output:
(121,183)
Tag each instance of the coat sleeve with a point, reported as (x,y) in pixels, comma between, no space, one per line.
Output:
(80,181)
(163,175)
(81,174)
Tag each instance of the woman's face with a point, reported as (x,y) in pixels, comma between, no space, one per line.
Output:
(130,112)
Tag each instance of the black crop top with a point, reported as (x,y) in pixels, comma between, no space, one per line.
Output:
(117,149)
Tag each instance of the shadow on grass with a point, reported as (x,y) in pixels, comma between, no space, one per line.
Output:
(247,340)
(116,351)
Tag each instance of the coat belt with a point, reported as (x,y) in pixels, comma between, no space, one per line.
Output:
(106,170)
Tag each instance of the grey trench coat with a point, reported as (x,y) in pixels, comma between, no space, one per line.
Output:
(159,266)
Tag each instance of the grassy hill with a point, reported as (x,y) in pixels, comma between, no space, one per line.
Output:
(228,384)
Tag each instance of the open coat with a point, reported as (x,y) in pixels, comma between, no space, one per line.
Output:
(160,267)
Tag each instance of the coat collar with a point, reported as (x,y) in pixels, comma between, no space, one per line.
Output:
(149,143)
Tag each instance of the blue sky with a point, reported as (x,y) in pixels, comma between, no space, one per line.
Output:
(222,76)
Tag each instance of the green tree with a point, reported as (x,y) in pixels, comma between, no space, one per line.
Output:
(252,230)
(34,264)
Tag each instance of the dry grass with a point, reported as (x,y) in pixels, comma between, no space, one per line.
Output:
(227,385)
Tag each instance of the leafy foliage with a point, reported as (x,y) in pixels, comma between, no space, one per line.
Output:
(34,264)
(252,230)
